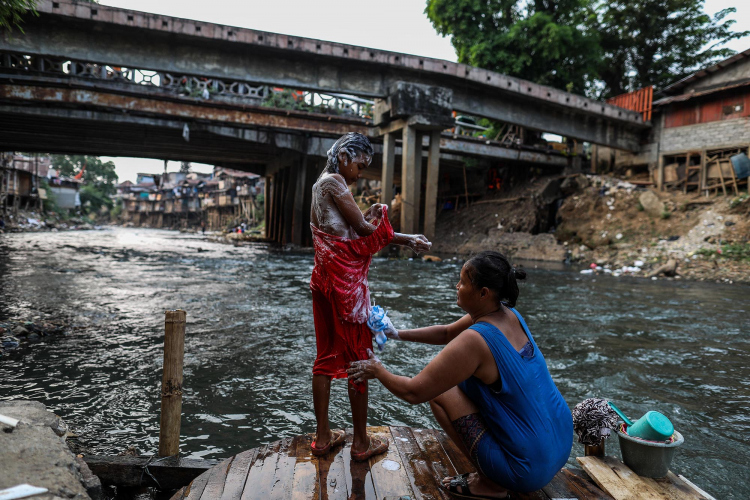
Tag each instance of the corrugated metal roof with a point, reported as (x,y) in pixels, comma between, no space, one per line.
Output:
(693,95)
(680,84)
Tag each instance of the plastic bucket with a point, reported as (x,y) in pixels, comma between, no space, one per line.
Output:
(652,426)
(648,458)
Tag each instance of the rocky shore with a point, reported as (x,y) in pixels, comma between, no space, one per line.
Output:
(14,333)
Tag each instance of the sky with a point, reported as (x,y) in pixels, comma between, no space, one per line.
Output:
(397,25)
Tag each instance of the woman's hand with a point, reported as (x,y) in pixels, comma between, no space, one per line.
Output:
(375,212)
(359,371)
(420,243)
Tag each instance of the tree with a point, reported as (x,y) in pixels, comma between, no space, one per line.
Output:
(545,41)
(12,11)
(657,42)
(99,179)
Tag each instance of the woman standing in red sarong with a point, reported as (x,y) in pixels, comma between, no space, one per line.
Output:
(345,241)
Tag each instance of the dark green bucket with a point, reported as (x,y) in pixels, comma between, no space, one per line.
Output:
(648,458)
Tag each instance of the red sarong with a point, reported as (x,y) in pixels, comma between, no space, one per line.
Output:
(341,297)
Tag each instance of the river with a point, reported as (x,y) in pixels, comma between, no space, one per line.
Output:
(678,347)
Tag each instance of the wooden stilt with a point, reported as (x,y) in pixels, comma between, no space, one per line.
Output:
(171,384)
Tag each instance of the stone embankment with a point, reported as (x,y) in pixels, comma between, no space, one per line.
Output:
(34,452)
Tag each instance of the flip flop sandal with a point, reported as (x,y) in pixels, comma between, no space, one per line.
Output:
(376,448)
(462,481)
(337,438)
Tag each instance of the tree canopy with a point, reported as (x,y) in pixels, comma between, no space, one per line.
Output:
(11,12)
(657,42)
(540,41)
(597,47)
(99,178)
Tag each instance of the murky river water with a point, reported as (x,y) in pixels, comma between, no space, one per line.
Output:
(681,348)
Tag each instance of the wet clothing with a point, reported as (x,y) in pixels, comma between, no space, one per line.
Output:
(529,426)
(341,297)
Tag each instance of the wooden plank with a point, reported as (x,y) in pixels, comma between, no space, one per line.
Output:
(584,483)
(675,488)
(179,494)
(422,476)
(195,488)
(533,495)
(260,478)
(255,474)
(237,474)
(332,476)
(305,482)
(434,453)
(461,462)
(618,480)
(358,478)
(388,473)
(216,479)
(696,488)
(560,488)
(282,479)
(171,472)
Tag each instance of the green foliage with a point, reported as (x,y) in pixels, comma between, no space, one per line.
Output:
(639,207)
(98,174)
(116,211)
(735,202)
(99,179)
(12,11)
(666,214)
(259,199)
(545,41)
(732,251)
(598,47)
(658,42)
(286,99)
(93,199)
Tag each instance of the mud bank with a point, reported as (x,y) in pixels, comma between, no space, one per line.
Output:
(608,226)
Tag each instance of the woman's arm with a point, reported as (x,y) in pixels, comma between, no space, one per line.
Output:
(417,242)
(438,334)
(458,361)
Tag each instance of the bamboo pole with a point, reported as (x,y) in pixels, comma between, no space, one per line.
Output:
(171,384)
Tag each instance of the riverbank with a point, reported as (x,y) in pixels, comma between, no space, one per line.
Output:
(609,226)
(31,222)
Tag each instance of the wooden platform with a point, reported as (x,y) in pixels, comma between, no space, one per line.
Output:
(411,470)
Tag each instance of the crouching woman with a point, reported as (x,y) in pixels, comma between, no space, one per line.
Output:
(489,388)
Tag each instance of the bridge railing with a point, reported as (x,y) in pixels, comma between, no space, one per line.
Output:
(203,88)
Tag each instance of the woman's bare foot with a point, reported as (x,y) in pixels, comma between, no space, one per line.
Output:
(478,486)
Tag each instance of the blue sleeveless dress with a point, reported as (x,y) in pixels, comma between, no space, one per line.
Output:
(529,426)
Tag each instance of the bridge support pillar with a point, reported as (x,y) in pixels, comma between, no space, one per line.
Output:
(411,179)
(414,110)
(389,166)
(431,185)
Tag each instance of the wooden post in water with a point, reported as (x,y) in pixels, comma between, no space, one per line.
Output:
(171,383)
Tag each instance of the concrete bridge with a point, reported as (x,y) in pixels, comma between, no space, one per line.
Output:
(86,78)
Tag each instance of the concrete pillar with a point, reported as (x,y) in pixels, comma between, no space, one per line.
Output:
(290,173)
(301,215)
(267,206)
(409,181)
(389,163)
(431,189)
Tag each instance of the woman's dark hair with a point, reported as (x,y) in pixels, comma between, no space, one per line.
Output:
(352,144)
(492,270)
